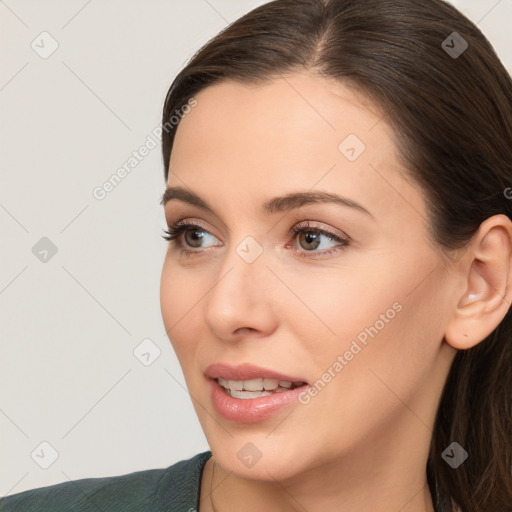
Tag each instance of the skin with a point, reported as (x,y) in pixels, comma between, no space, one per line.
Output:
(362,442)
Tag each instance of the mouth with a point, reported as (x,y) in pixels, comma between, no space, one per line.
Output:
(256,388)
(246,393)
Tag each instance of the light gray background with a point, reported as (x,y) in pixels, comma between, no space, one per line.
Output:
(69,326)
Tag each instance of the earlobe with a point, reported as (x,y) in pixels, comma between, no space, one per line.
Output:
(486,297)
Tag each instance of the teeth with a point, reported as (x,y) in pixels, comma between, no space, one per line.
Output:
(248,394)
(270,383)
(237,385)
(256,387)
(253,385)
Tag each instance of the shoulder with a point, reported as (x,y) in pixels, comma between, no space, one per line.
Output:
(152,490)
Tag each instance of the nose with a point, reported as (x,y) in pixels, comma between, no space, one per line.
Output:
(242,301)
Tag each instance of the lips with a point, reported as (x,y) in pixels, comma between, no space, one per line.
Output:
(247,393)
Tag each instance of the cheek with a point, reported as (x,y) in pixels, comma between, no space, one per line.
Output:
(334,306)
(180,292)
(366,374)
(372,317)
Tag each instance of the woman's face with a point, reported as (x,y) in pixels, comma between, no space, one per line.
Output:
(354,305)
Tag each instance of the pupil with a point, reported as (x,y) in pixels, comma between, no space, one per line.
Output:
(196,236)
(312,237)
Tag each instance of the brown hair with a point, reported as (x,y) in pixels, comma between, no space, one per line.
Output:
(452,121)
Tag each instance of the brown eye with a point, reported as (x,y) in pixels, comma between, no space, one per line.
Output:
(309,240)
(195,238)
(188,237)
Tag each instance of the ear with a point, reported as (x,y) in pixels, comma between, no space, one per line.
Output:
(487,287)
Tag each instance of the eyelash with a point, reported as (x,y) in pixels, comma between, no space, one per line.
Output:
(173,235)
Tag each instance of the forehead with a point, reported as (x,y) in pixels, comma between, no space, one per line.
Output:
(292,110)
(297,131)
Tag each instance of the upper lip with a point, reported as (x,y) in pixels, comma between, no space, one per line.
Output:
(246,371)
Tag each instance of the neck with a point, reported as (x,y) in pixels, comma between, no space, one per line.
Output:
(390,479)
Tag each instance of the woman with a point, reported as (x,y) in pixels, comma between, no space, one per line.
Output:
(337,283)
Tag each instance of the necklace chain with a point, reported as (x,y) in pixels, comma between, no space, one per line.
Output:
(211,486)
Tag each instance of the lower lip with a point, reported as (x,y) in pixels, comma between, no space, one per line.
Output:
(250,410)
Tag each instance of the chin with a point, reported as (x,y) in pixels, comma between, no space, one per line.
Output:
(258,455)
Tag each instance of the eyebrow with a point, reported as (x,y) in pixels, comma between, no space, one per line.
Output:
(284,203)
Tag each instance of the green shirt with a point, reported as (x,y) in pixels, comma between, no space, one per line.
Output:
(174,489)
